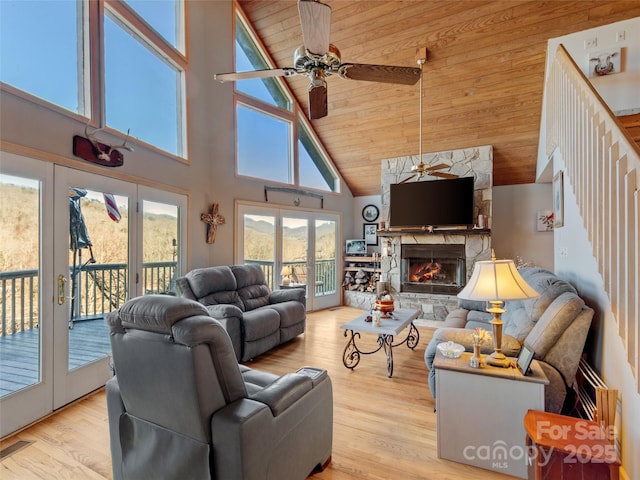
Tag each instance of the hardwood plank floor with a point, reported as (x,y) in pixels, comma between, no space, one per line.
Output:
(384,428)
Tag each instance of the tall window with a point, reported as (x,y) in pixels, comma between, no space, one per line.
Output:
(48,49)
(273,142)
(42,50)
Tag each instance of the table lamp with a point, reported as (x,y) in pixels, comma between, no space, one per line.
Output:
(286,275)
(495,281)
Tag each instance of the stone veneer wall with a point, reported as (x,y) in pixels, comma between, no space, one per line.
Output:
(477,161)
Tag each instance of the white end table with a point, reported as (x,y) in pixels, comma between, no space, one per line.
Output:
(480,413)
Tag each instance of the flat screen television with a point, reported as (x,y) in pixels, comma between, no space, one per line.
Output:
(436,203)
(355,247)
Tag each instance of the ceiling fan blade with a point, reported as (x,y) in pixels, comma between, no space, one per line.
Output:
(317,101)
(437,167)
(272,72)
(315,21)
(380,73)
(407,179)
(443,175)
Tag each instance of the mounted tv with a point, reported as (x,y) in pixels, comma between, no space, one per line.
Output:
(435,203)
(355,247)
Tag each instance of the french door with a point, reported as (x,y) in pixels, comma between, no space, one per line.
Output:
(303,243)
(90,242)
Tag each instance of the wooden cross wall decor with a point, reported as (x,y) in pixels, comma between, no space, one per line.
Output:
(212,219)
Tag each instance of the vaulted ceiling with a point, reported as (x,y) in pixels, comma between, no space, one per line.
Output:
(483,80)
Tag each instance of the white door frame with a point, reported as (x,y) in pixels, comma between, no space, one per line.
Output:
(34,402)
(313,302)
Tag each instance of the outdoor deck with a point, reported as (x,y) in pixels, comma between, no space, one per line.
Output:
(19,353)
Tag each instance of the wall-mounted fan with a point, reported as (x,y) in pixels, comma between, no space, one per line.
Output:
(318,59)
(422,169)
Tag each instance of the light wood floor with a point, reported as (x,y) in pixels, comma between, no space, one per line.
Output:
(384,428)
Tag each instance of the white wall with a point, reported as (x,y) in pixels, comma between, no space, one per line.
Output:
(210,176)
(514,232)
(604,347)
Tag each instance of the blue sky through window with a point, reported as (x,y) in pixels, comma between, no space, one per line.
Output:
(160,14)
(263,145)
(141,91)
(39,50)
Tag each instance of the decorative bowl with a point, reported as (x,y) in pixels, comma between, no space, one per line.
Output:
(450,349)
(385,306)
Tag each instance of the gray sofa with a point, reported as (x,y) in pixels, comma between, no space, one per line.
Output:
(553,325)
(181,407)
(255,318)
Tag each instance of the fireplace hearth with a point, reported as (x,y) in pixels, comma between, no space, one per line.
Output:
(434,269)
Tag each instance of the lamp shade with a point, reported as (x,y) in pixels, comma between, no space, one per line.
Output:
(286,270)
(496,280)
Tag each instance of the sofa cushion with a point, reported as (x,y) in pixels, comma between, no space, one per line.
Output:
(290,313)
(252,289)
(214,285)
(260,323)
(522,315)
(553,322)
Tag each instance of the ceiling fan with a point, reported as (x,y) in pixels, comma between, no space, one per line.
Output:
(318,59)
(422,169)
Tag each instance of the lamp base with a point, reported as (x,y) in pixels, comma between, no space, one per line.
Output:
(498,359)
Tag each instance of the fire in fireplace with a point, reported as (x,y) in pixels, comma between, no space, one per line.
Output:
(436,269)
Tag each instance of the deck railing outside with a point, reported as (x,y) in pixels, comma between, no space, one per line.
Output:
(325,281)
(99,289)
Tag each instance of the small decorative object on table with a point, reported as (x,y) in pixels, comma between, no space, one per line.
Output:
(479,336)
(450,349)
(376,317)
(385,305)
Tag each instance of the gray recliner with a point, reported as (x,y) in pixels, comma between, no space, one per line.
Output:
(181,407)
(553,325)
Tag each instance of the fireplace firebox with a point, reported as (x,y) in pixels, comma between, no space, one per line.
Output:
(435,269)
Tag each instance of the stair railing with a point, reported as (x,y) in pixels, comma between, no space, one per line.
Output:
(603,165)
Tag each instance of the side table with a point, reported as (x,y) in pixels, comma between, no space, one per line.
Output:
(568,448)
(479,413)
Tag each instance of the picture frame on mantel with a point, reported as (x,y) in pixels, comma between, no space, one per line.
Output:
(369,233)
(558,199)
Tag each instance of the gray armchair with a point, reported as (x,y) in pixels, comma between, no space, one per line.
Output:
(180,406)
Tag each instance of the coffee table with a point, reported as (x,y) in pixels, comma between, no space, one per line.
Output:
(388,329)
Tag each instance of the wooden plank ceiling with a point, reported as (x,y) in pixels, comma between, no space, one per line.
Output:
(483,81)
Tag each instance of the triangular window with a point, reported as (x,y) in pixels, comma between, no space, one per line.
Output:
(249,58)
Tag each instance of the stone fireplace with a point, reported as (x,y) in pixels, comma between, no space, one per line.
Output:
(416,252)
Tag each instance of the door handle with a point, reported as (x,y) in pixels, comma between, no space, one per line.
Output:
(62,285)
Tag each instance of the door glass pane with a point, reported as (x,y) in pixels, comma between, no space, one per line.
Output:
(20,279)
(295,235)
(325,268)
(259,243)
(160,227)
(98,267)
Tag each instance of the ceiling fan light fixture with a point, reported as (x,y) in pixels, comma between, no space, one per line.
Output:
(317,58)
